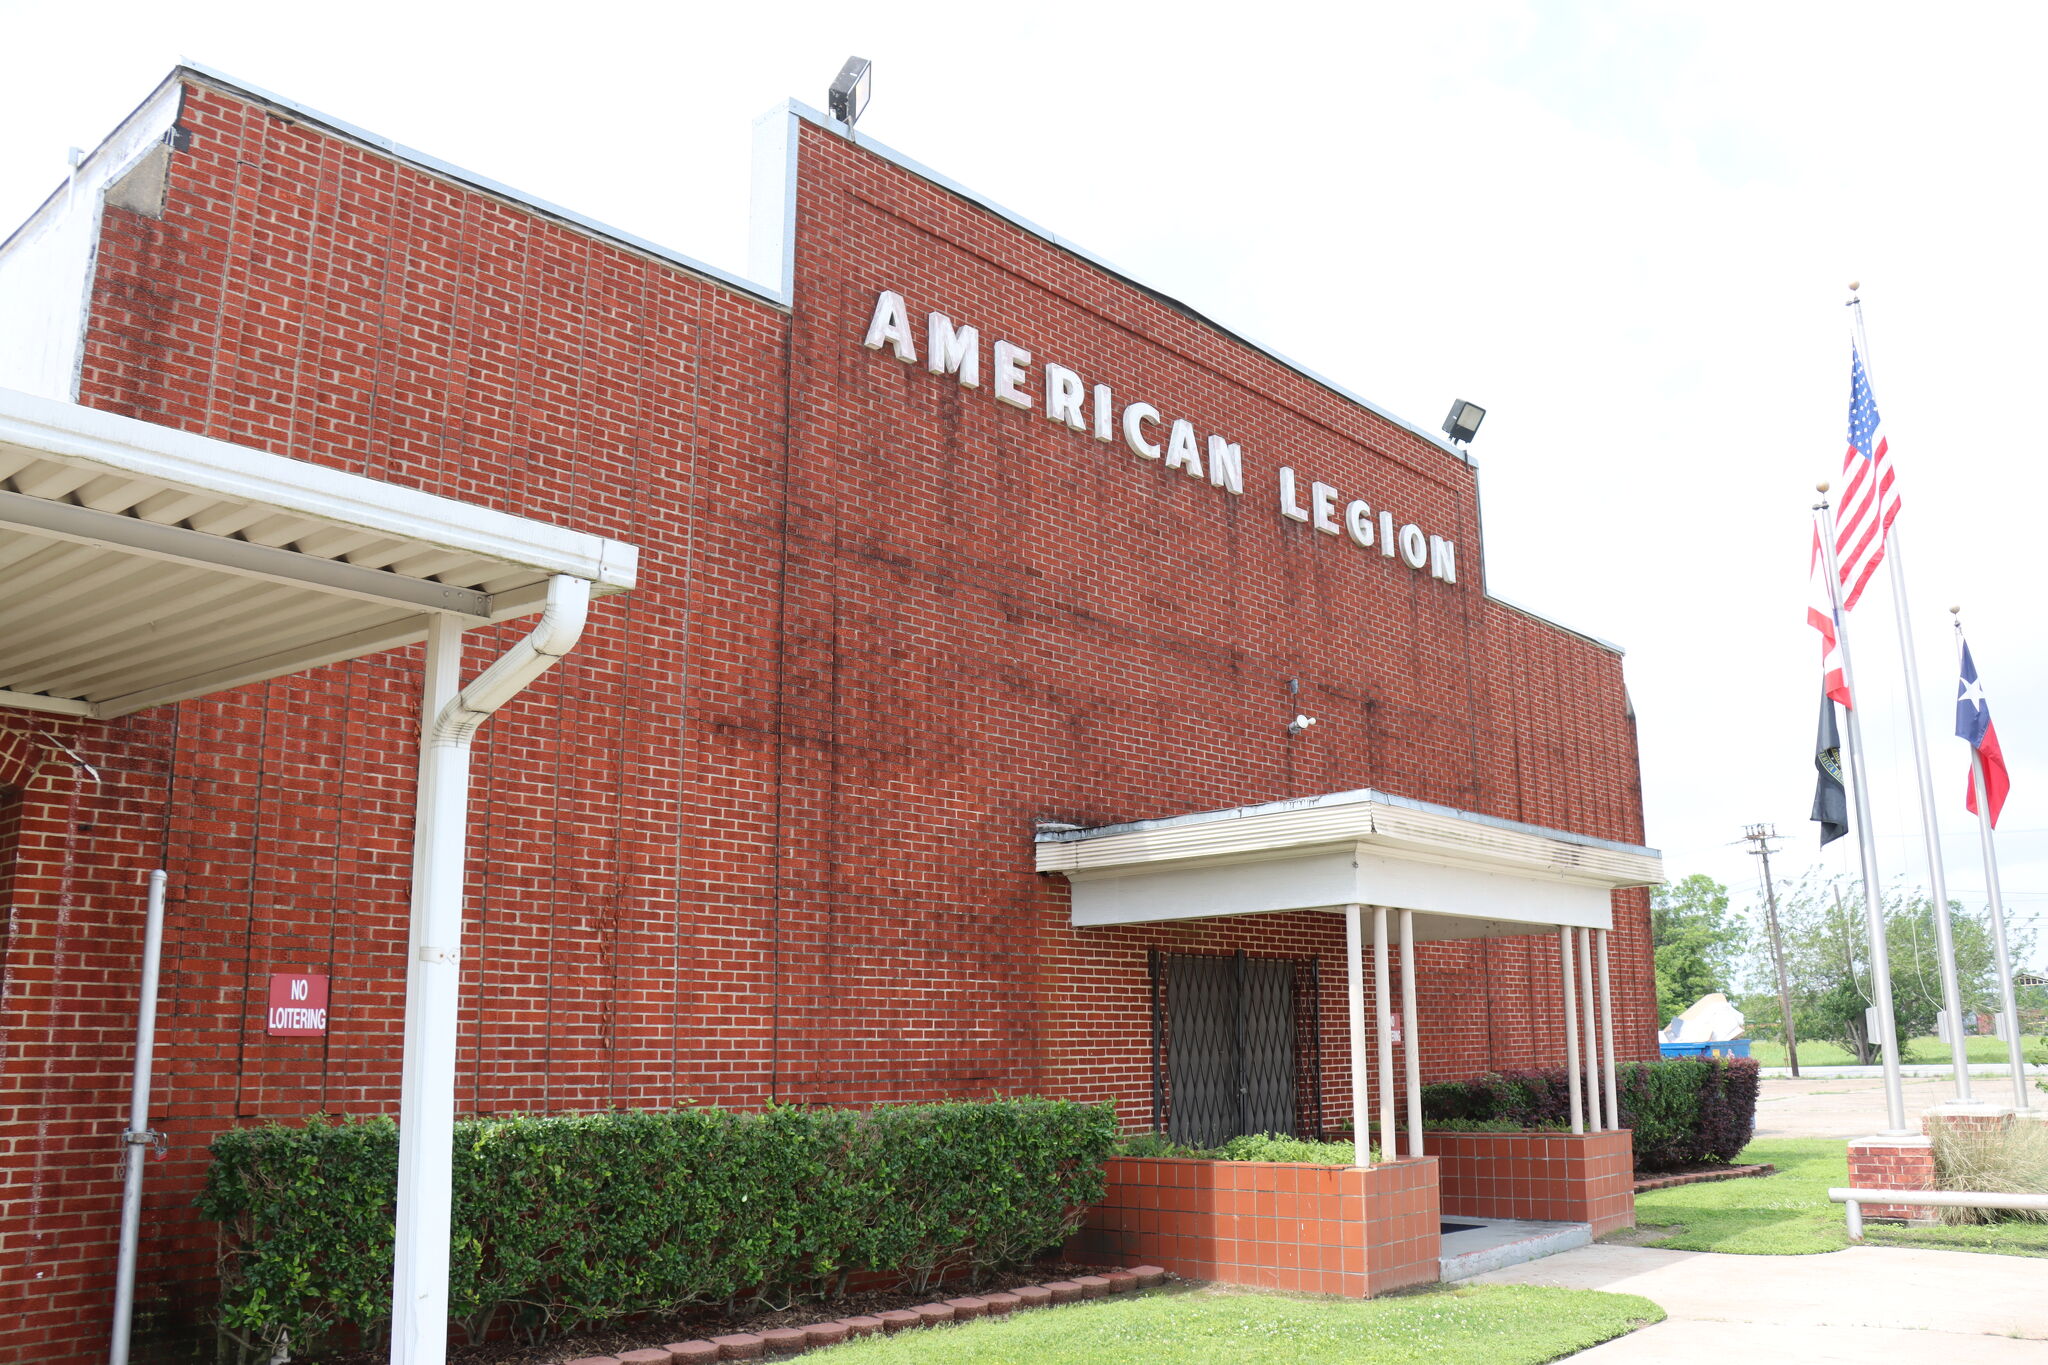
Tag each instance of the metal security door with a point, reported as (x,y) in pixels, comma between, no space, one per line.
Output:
(1224,1056)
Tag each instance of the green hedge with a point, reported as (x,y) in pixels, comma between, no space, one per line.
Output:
(1681,1111)
(566,1221)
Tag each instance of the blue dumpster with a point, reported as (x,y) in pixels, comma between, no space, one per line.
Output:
(1730,1047)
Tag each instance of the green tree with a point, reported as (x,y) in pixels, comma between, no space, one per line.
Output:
(1695,942)
(1827,961)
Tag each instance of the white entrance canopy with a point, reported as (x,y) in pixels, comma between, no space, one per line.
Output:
(145,565)
(1464,875)
(1433,872)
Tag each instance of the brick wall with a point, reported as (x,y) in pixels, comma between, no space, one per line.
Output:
(766,834)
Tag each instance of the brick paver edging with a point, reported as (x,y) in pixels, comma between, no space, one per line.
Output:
(780,1343)
(1665,1182)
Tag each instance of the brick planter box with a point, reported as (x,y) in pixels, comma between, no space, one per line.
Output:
(1549,1177)
(1273,1225)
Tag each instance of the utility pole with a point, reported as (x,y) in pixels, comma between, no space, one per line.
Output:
(1760,836)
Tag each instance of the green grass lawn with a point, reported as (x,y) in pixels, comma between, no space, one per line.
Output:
(1788,1214)
(1922,1050)
(1474,1325)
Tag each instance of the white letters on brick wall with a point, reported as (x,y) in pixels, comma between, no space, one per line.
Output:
(1071,400)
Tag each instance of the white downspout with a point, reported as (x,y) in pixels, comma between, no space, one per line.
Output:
(426,1119)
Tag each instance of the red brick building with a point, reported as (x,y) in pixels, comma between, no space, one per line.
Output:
(774,830)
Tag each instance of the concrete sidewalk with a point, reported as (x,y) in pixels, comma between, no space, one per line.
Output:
(1897,1305)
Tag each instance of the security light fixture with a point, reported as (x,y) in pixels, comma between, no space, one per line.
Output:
(1300,723)
(1463,423)
(848,98)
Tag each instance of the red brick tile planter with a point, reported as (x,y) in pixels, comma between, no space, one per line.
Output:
(1545,1176)
(1274,1225)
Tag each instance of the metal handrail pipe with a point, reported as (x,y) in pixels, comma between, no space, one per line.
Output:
(1853,1199)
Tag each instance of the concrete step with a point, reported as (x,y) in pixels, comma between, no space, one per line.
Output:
(1482,1244)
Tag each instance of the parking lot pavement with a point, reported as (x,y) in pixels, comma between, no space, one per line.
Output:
(1835,1107)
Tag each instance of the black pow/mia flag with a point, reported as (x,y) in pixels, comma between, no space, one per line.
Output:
(1830,802)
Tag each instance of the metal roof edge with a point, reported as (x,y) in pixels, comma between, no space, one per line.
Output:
(444,170)
(1554,623)
(188,459)
(952,186)
(1360,797)
(156,93)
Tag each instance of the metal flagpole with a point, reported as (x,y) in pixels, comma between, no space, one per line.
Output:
(2002,955)
(1873,903)
(1930,830)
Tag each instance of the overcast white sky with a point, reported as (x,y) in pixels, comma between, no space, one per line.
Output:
(1625,229)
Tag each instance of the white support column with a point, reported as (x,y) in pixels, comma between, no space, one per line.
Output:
(1571,1026)
(1411,1043)
(1595,1120)
(426,1128)
(1607,1035)
(1354,981)
(1390,1138)
(426,1120)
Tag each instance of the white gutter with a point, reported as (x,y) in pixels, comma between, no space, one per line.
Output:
(426,1117)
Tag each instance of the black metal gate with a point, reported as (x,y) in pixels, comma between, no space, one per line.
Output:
(1235,1046)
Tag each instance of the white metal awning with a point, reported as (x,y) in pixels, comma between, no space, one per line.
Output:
(1466,875)
(145,565)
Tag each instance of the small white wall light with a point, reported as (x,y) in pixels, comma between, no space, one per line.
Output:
(1300,723)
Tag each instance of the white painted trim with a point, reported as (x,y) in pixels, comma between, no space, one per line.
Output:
(49,706)
(1453,901)
(47,263)
(1393,826)
(181,459)
(771,218)
(272,564)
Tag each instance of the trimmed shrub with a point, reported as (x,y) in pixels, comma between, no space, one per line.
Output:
(562,1222)
(1490,1126)
(1681,1111)
(1280,1147)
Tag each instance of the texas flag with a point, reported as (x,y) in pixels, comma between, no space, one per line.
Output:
(1973,723)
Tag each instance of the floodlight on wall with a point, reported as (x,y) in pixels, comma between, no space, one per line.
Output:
(848,98)
(1463,423)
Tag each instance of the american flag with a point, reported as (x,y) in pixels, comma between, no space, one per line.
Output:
(1869,501)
